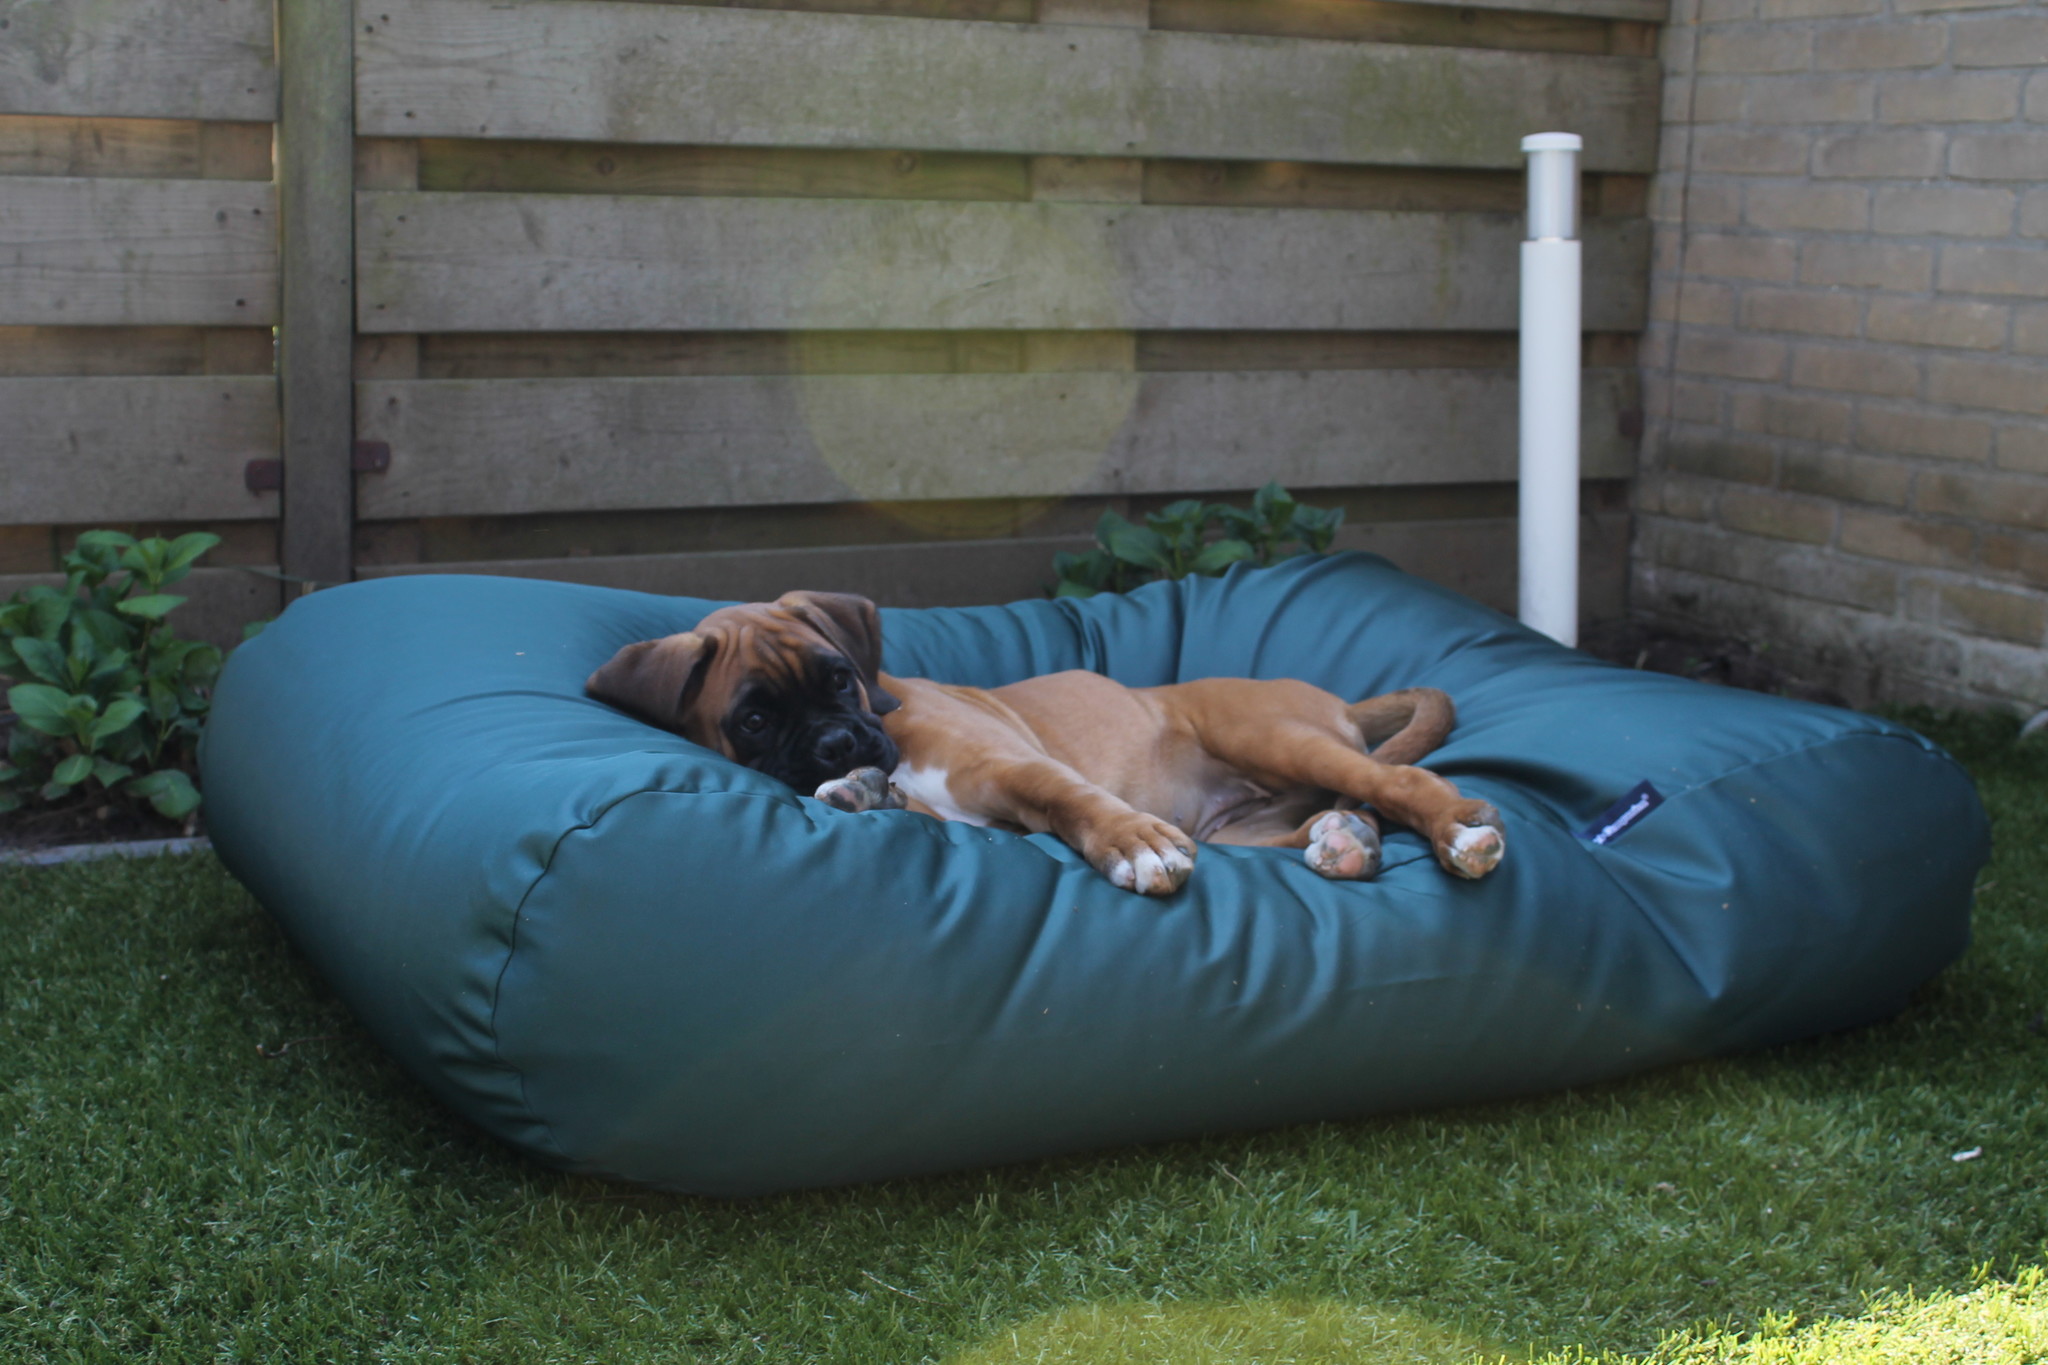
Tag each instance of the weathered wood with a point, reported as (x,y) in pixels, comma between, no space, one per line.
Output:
(609,71)
(569,355)
(1088,179)
(105,451)
(316,168)
(995,11)
(808,172)
(134,350)
(494,447)
(784,172)
(1097,13)
(219,602)
(137,252)
(444,262)
(567,535)
(202,59)
(565,355)
(175,149)
(946,574)
(425,540)
(1475,557)
(389,163)
(1312,185)
(1642,11)
(1378,21)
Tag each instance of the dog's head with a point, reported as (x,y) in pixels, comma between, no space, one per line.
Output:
(789,688)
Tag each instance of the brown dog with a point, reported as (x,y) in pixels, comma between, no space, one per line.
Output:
(1130,777)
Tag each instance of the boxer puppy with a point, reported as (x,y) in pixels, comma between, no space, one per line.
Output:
(1132,778)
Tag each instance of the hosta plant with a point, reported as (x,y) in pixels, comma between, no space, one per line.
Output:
(107,701)
(1192,536)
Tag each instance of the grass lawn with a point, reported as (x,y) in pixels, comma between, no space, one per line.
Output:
(202,1158)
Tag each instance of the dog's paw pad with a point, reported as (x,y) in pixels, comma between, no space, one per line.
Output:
(1343,847)
(863,789)
(1475,850)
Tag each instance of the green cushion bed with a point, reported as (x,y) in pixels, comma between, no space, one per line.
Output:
(626,956)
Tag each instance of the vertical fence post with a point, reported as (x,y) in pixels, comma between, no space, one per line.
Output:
(1550,390)
(316,322)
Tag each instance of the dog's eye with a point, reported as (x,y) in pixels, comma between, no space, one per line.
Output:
(842,681)
(753,723)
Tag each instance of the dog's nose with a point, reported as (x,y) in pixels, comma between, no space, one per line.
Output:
(834,744)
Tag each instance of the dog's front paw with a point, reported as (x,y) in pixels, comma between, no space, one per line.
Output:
(1141,853)
(862,789)
(1471,843)
(1343,846)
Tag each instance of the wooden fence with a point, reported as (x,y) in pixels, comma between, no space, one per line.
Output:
(888,295)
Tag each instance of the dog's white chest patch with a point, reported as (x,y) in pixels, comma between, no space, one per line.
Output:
(927,787)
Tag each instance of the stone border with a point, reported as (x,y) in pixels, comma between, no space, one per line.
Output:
(76,853)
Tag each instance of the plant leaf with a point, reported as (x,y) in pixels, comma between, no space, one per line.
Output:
(53,791)
(119,715)
(41,658)
(1138,545)
(9,801)
(1220,555)
(110,772)
(180,554)
(49,610)
(169,790)
(153,606)
(252,629)
(41,707)
(73,770)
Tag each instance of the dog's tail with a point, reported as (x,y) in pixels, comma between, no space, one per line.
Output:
(1401,727)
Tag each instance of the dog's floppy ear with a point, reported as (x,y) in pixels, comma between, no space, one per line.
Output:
(657,680)
(854,625)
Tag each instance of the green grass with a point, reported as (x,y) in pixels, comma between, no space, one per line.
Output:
(169,1192)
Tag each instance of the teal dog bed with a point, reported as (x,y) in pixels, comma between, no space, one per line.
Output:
(626,956)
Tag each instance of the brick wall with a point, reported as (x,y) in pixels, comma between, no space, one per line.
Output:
(1846,460)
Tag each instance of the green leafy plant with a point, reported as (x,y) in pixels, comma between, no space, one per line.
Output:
(106,699)
(1192,536)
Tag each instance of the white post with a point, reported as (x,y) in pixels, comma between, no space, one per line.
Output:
(1550,389)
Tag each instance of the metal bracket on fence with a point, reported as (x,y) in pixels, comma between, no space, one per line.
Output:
(365,457)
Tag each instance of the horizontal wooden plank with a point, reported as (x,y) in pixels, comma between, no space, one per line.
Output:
(218,602)
(567,355)
(941,574)
(1639,11)
(202,59)
(103,451)
(1475,557)
(134,350)
(610,71)
(137,252)
(783,172)
(40,549)
(145,148)
(1125,12)
(636,531)
(452,262)
(491,447)
(513,165)
(1377,21)
(998,11)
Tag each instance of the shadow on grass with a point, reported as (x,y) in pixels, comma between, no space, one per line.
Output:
(176,1183)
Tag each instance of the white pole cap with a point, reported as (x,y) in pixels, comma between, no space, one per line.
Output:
(1553,185)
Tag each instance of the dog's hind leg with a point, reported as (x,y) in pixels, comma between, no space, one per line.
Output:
(1464,833)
